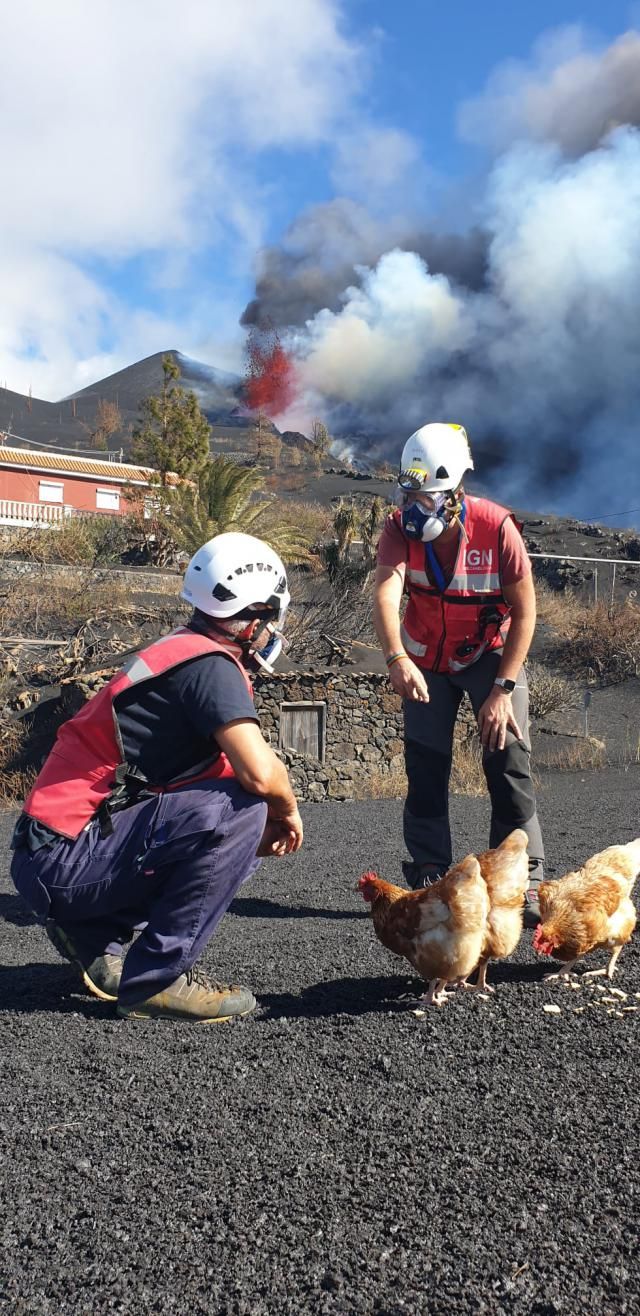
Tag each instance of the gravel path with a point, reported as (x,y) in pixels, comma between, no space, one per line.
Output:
(334,1153)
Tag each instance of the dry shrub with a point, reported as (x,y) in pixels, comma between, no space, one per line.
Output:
(15,786)
(467,775)
(292,482)
(49,602)
(548,693)
(601,643)
(83,540)
(382,786)
(16,779)
(557,610)
(585,754)
(310,519)
(70,543)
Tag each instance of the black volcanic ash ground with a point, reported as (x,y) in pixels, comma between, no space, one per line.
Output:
(334,1153)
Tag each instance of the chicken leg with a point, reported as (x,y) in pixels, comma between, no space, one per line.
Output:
(563,975)
(436,994)
(610,969)
(481,985)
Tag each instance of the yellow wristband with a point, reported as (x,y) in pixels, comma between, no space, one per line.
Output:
(395,657)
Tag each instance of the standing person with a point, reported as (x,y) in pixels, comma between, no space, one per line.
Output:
(468,625)
(160,795)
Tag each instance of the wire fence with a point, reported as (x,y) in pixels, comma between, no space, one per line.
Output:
(605,577)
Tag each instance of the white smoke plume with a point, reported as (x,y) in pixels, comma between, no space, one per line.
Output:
(326,244)
(537,354)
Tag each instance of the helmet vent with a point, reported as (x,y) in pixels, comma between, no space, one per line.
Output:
(222,594)
(442,473)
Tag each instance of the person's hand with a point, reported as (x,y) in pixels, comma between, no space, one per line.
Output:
(281,836)
(495,718)
(407,680)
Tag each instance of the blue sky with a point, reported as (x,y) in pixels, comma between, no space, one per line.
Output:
(434,55)
(148,164)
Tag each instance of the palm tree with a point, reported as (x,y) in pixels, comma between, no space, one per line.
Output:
(225,500)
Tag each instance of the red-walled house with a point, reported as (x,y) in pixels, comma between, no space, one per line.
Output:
(41,488)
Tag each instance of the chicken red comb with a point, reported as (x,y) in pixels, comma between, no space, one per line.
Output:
(370,876)
(543,945)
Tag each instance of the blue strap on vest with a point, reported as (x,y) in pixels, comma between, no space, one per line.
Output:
(436,569)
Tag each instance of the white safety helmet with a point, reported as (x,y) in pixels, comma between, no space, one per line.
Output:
(234,572)
(435,459)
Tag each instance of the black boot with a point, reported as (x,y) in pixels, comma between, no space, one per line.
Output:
(419,875)
(531,905)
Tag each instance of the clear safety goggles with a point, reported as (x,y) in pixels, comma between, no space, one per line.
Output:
(431,503)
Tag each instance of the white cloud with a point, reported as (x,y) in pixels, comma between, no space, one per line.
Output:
(123,129)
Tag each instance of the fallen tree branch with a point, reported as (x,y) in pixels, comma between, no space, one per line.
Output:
(36,644)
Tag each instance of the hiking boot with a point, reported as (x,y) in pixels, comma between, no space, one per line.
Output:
(196,998)
(531,916)
(100,975)
(417,876)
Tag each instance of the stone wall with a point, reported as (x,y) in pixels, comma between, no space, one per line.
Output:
(139,578)
(363,731)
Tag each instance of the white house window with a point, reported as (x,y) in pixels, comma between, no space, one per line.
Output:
(50,491)
(107,500)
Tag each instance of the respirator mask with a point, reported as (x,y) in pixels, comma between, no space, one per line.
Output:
(271,642)
(426,517)
(261,648)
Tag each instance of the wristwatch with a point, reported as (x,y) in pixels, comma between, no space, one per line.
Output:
(505,683)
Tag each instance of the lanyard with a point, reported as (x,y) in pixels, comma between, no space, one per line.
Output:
(436,569)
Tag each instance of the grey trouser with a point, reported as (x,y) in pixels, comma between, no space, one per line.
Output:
(428,733)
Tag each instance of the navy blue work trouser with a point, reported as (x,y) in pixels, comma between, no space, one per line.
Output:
(173,864)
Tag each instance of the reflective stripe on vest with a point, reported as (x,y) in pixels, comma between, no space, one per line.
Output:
(438,624)
(411,645)
(79,774)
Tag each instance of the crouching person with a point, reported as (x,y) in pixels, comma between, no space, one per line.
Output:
(160,796)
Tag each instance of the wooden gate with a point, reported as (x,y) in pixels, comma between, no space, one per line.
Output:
(302,728)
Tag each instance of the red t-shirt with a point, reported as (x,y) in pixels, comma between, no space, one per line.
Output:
(515,564)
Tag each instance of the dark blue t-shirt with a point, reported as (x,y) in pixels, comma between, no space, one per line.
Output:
(168,724)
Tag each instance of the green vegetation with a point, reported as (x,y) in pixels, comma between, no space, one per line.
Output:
(173,435)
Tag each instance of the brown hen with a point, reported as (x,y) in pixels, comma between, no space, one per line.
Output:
(506,873)
(439,929)
(589,909)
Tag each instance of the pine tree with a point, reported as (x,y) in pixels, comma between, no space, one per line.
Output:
(173,435)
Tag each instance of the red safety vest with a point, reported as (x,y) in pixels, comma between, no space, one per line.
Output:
(445,630)
(86,767)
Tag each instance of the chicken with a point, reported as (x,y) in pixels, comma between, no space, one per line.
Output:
(589,909)
(440,929)
(506,873)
